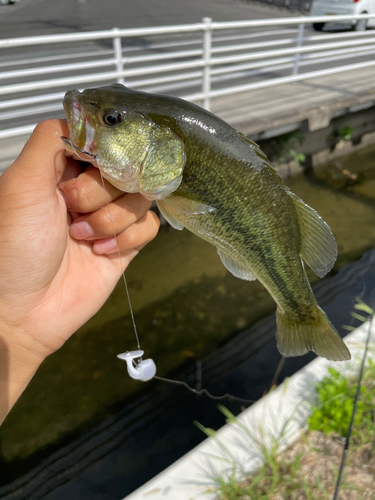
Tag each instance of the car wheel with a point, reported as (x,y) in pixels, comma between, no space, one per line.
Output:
(360,25)
(318,26)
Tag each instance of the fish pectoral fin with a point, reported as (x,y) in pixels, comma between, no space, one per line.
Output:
(168,215)
(187,206)
(318,245)
(234,267)
(173,203)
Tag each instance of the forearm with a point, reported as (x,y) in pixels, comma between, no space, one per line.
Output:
(17,368)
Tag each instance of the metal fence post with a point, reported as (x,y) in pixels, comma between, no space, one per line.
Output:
(207,43)
(117,49)
(301,30)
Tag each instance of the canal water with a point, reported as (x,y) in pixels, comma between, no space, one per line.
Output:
(84,429)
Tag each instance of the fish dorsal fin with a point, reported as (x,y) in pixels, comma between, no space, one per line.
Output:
(168,216)
(318,245)
(234,267)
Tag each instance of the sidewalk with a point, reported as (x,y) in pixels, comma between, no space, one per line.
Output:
(315,100)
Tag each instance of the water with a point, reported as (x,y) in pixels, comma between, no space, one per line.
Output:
(83,423)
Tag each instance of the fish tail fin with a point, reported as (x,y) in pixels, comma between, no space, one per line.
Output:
(318,335)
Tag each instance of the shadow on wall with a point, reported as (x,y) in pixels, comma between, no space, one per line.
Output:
(303,6)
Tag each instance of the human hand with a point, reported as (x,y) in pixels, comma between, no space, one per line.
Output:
(56,272)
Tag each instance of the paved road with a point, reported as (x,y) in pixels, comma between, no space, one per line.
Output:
(41,17)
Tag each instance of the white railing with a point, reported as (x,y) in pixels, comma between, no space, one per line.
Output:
(224,58)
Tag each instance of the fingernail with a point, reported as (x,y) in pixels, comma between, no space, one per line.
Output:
(81,230)
(105,245)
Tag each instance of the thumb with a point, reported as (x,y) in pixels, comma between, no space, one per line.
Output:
(42,160)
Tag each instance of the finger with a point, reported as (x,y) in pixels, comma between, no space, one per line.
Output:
(43,157)
(112,219)
(73,169)
(135,237)
(86,194)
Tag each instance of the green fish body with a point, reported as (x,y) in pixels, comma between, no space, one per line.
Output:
(209,178)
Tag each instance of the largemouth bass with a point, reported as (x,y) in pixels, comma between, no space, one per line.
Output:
(211,179)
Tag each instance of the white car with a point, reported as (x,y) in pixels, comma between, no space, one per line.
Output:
(344,8)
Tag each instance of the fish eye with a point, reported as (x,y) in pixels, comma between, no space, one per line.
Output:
(112,117)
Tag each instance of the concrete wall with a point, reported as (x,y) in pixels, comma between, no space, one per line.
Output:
(324,144)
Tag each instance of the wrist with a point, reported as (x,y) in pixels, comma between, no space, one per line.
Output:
(22,332)
(18,364)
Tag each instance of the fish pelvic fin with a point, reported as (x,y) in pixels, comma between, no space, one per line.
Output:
(317,335)
(318,245)
(237,269)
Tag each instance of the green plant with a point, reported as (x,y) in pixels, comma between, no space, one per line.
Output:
(345,133)
(286,148)
(299,158)
(336,396)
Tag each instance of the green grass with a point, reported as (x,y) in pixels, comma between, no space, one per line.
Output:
(275,479)
(336,398)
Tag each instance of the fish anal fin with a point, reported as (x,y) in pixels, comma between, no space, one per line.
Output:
(168,215)
(318,245)
(317,335)
(234,267)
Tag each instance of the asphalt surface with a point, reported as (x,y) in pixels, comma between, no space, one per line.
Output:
(42,17)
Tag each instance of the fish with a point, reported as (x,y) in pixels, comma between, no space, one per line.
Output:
(211,179)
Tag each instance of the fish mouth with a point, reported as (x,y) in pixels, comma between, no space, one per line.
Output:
(81,133)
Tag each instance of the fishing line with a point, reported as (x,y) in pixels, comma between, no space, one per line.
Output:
(349,433)
(199,392)
(121,266)
(280,366)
